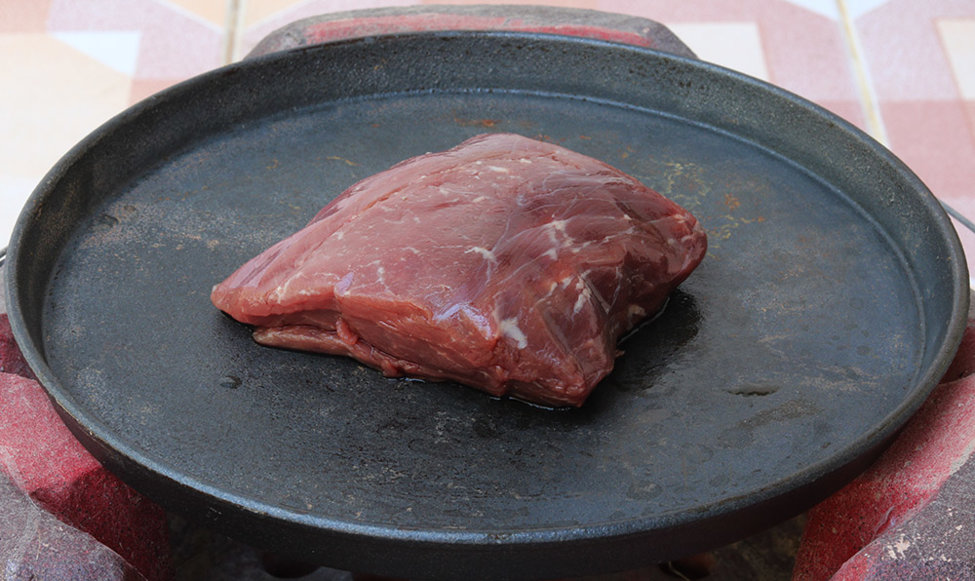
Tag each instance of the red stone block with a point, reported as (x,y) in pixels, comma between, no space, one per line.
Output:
(11,360)
(44,460)
(936,543)
(36,545)
(964,362)
(895,496)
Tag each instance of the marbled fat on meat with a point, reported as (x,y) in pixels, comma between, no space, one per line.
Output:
(506,264)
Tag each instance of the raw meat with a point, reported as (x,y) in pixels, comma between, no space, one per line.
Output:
(507,264)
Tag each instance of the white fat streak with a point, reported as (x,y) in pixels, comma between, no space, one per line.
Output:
(551,228)
(342,286)
(277,293)
(558,225)
(581,300)
(498,169)
(484,252)
(580,247)
(509,328)
(593,292)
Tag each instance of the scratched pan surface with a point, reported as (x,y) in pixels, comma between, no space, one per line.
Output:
(831,300)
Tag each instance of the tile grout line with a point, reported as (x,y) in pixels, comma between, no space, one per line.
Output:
(871,109)
(955,76)
(868,98)
(230,28)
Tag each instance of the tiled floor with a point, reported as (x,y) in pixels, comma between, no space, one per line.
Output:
(902,70)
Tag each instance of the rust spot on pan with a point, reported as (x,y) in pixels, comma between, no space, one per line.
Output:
(486,123)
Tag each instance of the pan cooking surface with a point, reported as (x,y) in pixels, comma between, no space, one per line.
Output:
(782,359)
(756,370)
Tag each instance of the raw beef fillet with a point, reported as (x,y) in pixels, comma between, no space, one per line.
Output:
(506,264)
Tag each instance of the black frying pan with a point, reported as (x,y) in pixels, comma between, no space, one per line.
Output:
(832,299)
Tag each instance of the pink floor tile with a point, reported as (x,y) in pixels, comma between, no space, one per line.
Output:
(174,43)
(966,206)
(918,90)
(585,4)
(940,149)
(958,40)
(850,110)
(903,50)
(933,139)
(20,16)
(805,51)
(142,88)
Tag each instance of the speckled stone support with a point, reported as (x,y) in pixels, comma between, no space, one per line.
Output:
(106,530)
(910,515)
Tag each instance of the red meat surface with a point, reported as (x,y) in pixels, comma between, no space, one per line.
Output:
(507,264)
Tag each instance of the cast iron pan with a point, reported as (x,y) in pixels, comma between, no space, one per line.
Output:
(831,300)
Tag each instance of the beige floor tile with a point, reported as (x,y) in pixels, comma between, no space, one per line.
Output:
(958,38)
(591,4)
(23,15)
(736,45)
(213,11)
(255,11)
(76,94)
